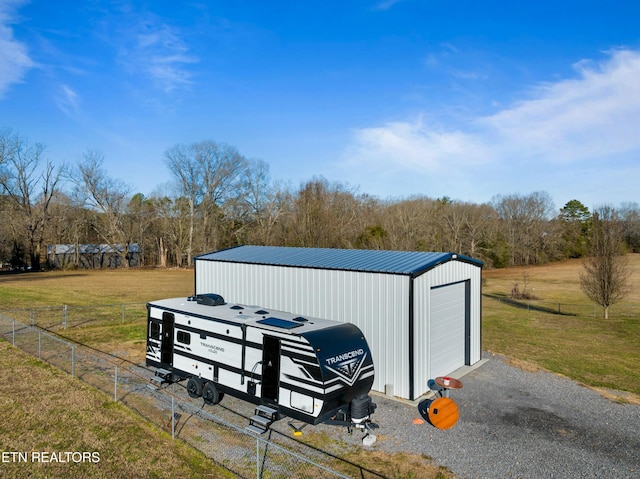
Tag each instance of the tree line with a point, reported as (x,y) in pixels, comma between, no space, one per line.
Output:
(218,198)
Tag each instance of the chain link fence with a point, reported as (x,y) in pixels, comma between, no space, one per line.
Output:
(65,316)
(568,309)
(226,443)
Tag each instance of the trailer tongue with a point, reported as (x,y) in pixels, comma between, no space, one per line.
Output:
(310,370)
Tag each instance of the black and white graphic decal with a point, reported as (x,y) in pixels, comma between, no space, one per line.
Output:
(347,365)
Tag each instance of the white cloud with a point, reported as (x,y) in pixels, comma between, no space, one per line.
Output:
(588,118)
(386,4)
(14,59)
(157,51)
(414,146)
(68,101)
(593,116)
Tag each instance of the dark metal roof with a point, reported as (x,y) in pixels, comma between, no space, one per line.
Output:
(89,248)
(375,261)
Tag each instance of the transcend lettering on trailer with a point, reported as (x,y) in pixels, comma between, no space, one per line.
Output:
(345,356)
(212,347)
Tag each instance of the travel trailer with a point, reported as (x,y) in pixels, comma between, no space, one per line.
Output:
(308,369)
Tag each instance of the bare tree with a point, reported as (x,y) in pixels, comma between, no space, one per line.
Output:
(223,169)
(525,225)
(325,215)
(412,224)
(190,183)
(171,229)
(207,174)
(311,215)
(260,206)
(141,214)
(480,230)
(630,215)
(605,275)
(107,198)
(455,216)
(30,189)
(68,225)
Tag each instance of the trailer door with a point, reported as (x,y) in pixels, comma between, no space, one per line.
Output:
(166,347)
(270,368)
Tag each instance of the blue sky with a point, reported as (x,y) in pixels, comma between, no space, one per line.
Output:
(466,99)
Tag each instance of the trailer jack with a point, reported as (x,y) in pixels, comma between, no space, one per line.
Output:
(297,430)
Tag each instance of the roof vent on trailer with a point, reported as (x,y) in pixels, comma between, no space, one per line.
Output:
(210,299)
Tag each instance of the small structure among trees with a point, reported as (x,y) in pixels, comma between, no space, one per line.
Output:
(91,256)
(605,275)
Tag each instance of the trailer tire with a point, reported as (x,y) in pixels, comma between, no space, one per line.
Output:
(194,388)
(210,394)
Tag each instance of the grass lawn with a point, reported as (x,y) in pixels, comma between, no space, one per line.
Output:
(579,342)
(93,287)
(47,414)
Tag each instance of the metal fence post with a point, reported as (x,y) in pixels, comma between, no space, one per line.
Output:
(115,386)
(173,419)
(123,312)
(64,316)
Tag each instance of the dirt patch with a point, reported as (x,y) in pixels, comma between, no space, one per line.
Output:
(622,397)
(525,365)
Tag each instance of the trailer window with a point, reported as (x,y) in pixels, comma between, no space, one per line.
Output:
(154,331)
(184,338)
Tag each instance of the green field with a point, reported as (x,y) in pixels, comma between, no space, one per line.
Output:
(561,330)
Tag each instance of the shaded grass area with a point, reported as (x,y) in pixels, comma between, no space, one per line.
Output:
(579,344)
(46,412)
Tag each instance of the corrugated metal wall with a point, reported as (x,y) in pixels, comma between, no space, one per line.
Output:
(377,303)
(447,273)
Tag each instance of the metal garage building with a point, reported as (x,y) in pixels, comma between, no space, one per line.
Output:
(420,312)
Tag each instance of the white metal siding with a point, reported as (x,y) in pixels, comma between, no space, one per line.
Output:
(377,303)
(447,331)
(444,274)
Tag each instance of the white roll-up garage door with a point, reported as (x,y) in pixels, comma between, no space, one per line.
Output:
(447,329)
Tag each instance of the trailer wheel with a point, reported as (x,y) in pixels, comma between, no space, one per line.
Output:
(194,388)
(210,394)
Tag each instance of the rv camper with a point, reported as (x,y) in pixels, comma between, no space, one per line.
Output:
(308,369)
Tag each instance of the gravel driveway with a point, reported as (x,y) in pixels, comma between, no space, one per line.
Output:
(515,423)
